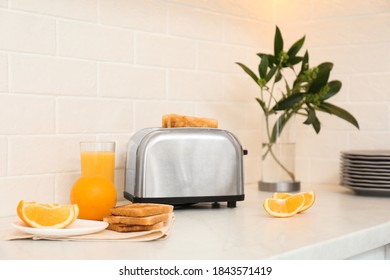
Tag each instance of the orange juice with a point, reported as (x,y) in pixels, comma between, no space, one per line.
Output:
(98,163)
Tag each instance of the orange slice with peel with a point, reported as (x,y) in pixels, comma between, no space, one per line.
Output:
(284,207)
(281,195)
(39,215)
(310,198)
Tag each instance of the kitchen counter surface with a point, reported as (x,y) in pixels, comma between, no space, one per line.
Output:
(340,225)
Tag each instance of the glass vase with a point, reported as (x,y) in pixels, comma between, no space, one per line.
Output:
(278,157)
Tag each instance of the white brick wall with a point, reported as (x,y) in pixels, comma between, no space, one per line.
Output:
(138,15)
(128,81)
(52,75)
(25,114)
(3,73)
(165,51)
(94,42)
(29,33)
(83,70)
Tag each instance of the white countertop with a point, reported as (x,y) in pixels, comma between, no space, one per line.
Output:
(339,225)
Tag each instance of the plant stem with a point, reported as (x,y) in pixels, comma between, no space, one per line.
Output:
(289,173)
(269,150)
(267,113)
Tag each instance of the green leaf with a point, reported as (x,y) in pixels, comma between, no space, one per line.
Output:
(313,120)
(248,71)
(322,77)
(334,87)
(271,58)
(262,105)
(263,67)
(278,76)
(339,112)
(316,125)
(271,73)
(311,114)
(278,42)
(279,125)
(294,60)
(288,89)
(305,63)
(289,102)
(296,47)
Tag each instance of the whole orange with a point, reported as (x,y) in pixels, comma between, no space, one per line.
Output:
(95,196)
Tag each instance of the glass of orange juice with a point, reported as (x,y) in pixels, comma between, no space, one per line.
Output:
(98,159)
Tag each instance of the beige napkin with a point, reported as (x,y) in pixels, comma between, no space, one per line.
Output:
(105,235)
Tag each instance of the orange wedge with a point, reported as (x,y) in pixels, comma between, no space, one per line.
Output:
(310,198)
(39,215)
(281,195)
(283,208)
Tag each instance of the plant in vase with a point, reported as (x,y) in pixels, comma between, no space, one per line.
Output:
(289,87)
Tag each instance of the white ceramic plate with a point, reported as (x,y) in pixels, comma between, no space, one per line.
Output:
(368,158)
(370,191)
(367,153)
(368,165)
(365,184)
(374,178)
(363,170)
(359,162)
(366,179)
(79,227)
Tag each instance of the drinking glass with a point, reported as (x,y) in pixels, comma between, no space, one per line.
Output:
(98,159)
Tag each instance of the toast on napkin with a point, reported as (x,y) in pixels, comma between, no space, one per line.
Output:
(132,228)
(141,209)
(144,221)
(175,120)
(138,217)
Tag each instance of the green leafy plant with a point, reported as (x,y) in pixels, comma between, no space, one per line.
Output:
(308,92)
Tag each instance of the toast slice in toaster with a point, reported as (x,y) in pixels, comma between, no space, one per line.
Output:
(175,120)
(141,209)
(144,221)
(132,228)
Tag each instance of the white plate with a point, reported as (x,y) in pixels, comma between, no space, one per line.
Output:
(360,162)
(374,178)
(365,184)
(79,227)
(363,170)
(370,191)
(370,158)
(367,153)
(366,180)
(367,165)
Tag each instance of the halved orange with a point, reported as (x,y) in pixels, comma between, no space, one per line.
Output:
(39,215)
(287,207)
(310,198)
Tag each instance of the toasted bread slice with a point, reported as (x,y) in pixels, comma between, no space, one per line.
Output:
(132,228)
(145,221)
(141,209)
(175,120)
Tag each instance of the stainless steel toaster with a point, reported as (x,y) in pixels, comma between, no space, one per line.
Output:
(184,166)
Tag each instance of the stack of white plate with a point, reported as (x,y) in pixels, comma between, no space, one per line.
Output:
(367,172)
